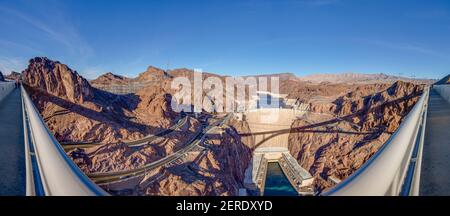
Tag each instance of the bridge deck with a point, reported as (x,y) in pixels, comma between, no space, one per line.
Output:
(435,175)
(12,163)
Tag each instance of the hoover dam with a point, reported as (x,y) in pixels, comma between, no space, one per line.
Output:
(307,140)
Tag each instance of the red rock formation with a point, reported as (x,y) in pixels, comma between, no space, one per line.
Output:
(152,74)
(120,157)
(110,79)
(217,171)
(57,79)
(77,112)
(361,126)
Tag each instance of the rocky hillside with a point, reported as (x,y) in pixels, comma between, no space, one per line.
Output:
(77,112)
(361,124)
(58,80)
(110,79)
(14,76)
(120,156)
(443,81)
(217,170)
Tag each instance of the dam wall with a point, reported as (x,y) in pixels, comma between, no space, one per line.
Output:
(265,125)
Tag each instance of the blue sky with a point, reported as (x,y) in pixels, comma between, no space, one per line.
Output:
(399,37)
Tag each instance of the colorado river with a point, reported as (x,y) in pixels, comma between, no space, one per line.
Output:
(276,182)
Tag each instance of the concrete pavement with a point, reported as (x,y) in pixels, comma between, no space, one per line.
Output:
(12,161)
(435,175)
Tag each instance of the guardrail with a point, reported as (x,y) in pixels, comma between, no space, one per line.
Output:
(444,91)
(6,88)
(49,171)
(395,168)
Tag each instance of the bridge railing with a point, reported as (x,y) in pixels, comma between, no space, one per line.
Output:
(395,168)
(49,171)
(6,88)
(444,91)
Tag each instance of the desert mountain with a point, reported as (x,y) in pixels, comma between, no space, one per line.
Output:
(152,74)
(77,112)
(14,76)
(359,78)
(57,79)
(110,79)
(281,76)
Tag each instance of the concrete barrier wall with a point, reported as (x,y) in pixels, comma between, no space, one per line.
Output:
(444,91)
(5,89)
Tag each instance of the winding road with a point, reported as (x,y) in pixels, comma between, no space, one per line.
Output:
(111,177)
(143,141)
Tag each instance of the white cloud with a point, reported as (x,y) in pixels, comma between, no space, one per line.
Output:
(11,64)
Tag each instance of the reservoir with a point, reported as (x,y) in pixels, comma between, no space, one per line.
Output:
(269,101)
(277,183)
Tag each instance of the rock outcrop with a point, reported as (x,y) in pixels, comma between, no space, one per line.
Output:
(57,79)
(14,76)
(2,79)
(119,156)
(110,79)
(77,112)
(152,74)
(217,170)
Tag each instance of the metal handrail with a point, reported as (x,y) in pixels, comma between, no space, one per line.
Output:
(57,174)
(385,172)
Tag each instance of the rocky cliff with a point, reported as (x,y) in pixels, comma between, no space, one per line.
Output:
(77,112)
(2,79)
(57,79)
(215,170)
(358,127)
(120,156)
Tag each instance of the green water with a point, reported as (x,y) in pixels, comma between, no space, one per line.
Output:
(277,183)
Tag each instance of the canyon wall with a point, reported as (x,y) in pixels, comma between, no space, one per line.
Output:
(359,126)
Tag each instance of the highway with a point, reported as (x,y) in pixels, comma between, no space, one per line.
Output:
(143,141)
(110,177)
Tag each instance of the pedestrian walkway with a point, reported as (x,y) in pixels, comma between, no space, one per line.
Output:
(435,179)
(12,163)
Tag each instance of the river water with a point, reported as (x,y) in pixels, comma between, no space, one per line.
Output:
(277,183)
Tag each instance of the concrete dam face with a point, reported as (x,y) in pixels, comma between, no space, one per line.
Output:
(270,127)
